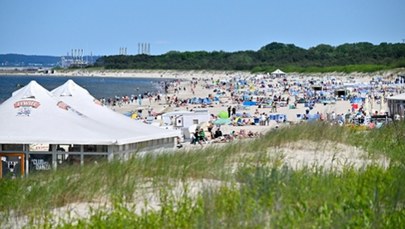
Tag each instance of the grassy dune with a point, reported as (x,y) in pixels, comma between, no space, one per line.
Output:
(241,185)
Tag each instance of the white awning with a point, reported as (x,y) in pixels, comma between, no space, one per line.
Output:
(34,115)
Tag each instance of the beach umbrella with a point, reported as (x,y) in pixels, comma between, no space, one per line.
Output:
(223,115)
(222,121)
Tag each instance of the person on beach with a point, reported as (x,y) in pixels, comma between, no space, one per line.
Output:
(274,107)
(201,136)
(210,128)
(179,145)
(233,111)
(218,133)
(264,119)
(194,137)
(139,100)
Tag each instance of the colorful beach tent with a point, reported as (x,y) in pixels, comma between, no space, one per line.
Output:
(249,103)
(223,115)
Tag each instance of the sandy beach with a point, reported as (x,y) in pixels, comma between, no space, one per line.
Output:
(164,74)
(203,88)
(190,74)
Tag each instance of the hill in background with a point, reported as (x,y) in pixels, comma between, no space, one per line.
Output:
(18,60)
(362,57)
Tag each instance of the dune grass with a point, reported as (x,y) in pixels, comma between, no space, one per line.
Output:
(255,190)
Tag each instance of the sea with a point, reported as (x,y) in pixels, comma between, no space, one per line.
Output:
(99,87)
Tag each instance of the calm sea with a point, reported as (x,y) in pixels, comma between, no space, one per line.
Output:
(99,87)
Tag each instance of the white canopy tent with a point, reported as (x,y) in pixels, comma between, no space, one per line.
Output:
(278,73)
(33,115)
(76,96)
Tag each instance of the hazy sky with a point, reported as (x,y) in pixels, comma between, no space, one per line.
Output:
(54,27)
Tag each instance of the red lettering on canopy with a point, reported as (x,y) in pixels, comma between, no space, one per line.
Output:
(63,105)
(27,103)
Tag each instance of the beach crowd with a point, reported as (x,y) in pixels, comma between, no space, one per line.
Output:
(267,100)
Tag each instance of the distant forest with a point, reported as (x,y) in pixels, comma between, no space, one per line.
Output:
(362,57)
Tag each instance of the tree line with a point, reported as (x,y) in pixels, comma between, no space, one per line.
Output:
(363,57)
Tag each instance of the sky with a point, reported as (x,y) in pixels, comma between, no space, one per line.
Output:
(102,27)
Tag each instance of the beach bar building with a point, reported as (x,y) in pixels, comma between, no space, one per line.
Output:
(396,105)
(40,131)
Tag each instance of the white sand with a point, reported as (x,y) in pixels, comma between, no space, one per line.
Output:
(330,156)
